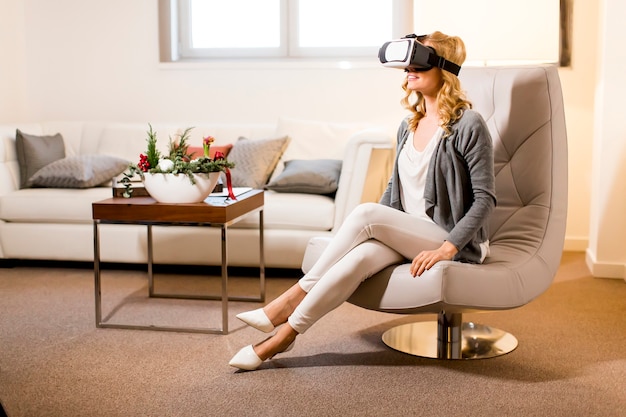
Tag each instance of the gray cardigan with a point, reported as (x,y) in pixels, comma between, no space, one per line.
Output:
(460,184)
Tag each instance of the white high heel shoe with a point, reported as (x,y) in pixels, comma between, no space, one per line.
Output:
(247,359)
(257,319)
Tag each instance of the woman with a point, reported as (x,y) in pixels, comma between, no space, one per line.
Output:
(436,206)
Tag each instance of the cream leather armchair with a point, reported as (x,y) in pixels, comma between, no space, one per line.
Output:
(523,107)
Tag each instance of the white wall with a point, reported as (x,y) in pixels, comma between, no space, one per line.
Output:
(579,83)
(606,255)
(98,60)
(11,59)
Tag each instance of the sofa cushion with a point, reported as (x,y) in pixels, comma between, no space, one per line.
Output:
(81,171)
(293,211)
(255,160)
(34,152)
(51,205)
(316,176)
(311,139)
(289,211)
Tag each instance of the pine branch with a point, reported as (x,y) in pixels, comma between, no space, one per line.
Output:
(152,152)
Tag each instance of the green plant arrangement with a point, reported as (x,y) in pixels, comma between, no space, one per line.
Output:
(177,162)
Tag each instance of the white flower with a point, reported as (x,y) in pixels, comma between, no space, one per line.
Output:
(166,165)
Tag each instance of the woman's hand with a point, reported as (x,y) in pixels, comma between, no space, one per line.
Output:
(426,259)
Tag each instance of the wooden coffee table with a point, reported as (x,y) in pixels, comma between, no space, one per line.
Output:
(213,212)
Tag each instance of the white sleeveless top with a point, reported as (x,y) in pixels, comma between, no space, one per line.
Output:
(412,169)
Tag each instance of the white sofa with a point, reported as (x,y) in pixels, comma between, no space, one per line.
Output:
(56,223)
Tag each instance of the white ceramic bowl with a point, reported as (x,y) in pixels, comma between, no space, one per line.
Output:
(170,188)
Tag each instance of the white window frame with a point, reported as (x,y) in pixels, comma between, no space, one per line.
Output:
(179,47)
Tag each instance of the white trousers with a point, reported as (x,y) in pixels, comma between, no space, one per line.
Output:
(371,238)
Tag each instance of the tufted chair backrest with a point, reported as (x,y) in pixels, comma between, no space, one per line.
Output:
(527,126)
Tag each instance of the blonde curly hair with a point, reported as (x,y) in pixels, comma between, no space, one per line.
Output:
(451,98)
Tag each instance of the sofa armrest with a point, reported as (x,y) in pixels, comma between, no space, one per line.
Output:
(9,167)
(360,170)
(9,171)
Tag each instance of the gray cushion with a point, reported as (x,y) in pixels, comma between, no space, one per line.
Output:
(82,171)
(255,160)
(35,152)
(315,176)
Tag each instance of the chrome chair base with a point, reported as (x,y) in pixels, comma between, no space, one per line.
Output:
(450,338)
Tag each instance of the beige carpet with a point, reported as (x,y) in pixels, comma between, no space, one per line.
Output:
(571,360)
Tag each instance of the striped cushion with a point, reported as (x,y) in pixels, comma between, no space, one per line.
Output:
(83,171)
(255,160)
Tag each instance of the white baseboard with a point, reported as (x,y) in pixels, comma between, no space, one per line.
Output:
(597,269)
(604,269)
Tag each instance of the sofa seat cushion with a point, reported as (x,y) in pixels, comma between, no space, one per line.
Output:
(294,211)
(51,205)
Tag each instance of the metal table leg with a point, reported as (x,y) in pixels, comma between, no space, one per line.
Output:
(96,271)
(224,282)
(223,297)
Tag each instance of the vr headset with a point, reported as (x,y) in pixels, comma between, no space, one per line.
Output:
(409,52)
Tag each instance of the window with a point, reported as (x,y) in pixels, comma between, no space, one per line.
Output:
(280,28)
(495,32)
(234,28)
(344,28)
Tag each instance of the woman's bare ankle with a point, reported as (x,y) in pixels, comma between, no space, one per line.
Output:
(276,343)
(276,312)
(279,310)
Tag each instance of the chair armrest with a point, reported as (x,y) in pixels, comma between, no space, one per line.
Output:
(359,170)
